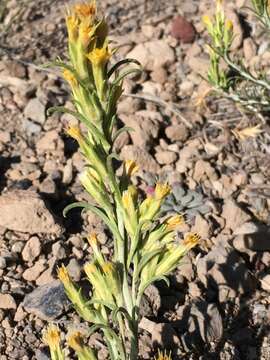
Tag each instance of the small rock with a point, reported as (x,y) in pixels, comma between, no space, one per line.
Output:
(159,75)
(265,282)
(166,157)
(202,227)
(47,301)
(48,142)
(153,54)
(183,30)
(33,272)
(30,127)
(32,249)
(7,302)
(58,251)
(176,132)
(74,269)
(199,65)
(25,211)
(3,262)
(68,172)
(234,215)
(20,314)
(48,187)
(35,111)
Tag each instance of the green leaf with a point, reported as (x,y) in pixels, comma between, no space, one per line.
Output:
(120,310)
(135,241)
(147,257)
(125,74)
(101,302)
(92,128)
(116,66)
(120,131)
(96,210)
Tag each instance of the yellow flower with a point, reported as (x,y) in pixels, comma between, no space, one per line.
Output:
(127,200)
(131,167)
(162,190)
(72,27)
(219,5)
(207,21)
(64,276)
(52,337)
(70,78)
(85,11)
(174,221)
(162,355)
(191,240)
(228,25)
(108,268)
(75,341)
(99,56)
(75,133)
(90,269)
(85,33)
(92,239)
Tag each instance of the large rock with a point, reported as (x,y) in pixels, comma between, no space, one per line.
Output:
(153,54)
(25,211)
(47,301)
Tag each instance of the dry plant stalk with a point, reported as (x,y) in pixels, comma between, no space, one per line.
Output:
(145,248)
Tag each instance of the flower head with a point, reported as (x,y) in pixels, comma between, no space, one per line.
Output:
(64,275)
(92,239)
(191,240)
(75,341)
(52,337)
(174,221)
(74,132)
(70,78)
(72,27)
(131,167)
(99,56)
(85,11)
(162,355)
(162,190)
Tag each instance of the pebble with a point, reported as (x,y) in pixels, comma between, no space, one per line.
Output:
(176,132)
(33,272)
(74,269)
(3,262)
(32,249)
(58,250)
(7,302)
(68,172)
(35,111)
(183,30)
(166,157)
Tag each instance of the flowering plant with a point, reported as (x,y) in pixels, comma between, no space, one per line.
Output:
(145,248)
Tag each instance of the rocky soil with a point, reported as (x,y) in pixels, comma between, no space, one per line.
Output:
(217,306)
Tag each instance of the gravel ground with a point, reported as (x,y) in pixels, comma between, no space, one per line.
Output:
(217,306)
